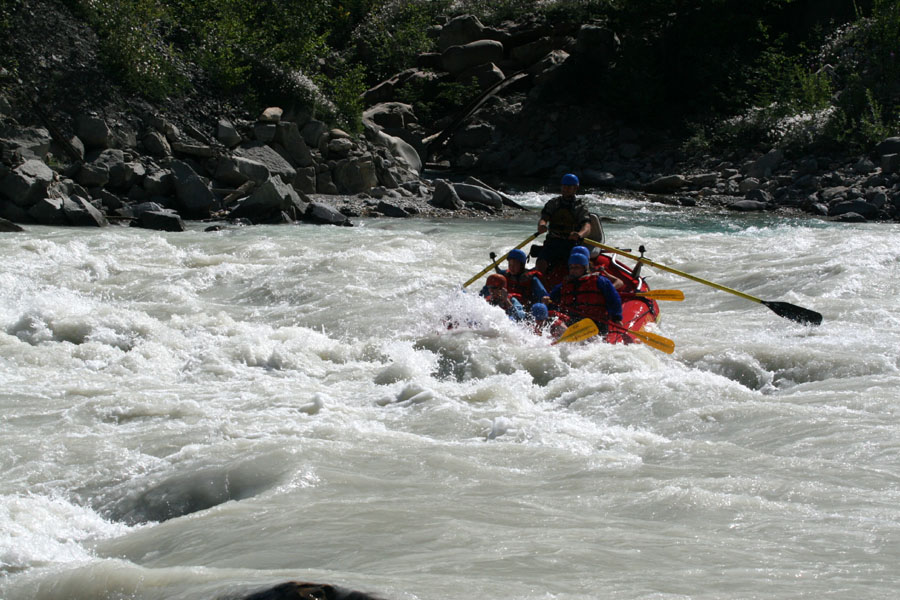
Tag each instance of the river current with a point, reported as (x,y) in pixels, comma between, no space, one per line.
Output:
(207,414)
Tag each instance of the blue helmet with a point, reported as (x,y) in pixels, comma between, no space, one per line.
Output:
(518,255)
(570,179)
(539,311)
(580,250)
(577,258)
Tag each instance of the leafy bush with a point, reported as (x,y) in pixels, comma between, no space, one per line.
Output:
(132,45)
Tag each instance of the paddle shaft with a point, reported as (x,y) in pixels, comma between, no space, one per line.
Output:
(499,260)
(782,309)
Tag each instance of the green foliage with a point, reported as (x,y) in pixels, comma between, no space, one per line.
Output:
(345,89)
(391,38)
(133,47)
(7,9)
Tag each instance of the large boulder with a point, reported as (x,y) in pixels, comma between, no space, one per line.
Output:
(268,156)
(597,45)
(159,220)
(324,214)
(288,135)
(667,184)
(459,31)
(28,142)
(391,115)
(457,59)
(194,196)
(355,175)
(236,170)
(765,165)
(269,200)
(27,183)
(81,213)
(9,226)
(445,196)
(93,131)
(478,195)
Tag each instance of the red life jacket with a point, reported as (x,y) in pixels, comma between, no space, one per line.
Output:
(581,298)
(521,284)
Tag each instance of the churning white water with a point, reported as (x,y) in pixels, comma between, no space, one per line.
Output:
(203,415)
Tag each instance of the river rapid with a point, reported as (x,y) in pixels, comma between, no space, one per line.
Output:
(204,415)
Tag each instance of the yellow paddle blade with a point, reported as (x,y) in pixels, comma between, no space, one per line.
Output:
(578,332)
(673,295)
(653,340)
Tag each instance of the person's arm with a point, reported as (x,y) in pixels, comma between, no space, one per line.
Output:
(555,293)
(538,291)
(584,219)
(613,300)
(515,310)
(617,283)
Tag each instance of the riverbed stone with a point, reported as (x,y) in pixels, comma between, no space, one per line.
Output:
(193,193)
(457,59)
(27,183)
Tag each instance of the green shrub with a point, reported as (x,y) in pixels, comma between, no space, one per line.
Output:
(133,47)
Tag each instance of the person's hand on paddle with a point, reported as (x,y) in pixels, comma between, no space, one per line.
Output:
(542,227)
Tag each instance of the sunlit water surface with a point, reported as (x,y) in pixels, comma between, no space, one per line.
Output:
(202,415)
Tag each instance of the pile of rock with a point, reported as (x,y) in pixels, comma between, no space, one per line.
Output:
(540,61)
(853,191)
(154,175)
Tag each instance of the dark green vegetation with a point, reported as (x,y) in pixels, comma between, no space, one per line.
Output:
(716,72)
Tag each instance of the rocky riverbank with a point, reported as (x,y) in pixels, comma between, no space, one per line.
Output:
(75,149)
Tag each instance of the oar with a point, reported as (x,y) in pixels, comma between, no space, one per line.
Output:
(673,295)
(653,340)
(499,260)
(578,331)
(782,309)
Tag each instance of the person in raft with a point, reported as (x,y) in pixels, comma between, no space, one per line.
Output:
(497,295)
(545,321)
(617,283)
(586,295)
(523,284)
(567,221)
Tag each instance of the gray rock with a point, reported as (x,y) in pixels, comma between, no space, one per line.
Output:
(666,184)
(157,145)
(312,132)
(159,183)
(765,165)
(480,195)
(457,59)
(391,210)
(459,31)
(227,133)
(858,206)
(27,183)
(339,148)
(93,131)
(391,115)
(530,53)
(33,142)
(193,194)
(325,184)
(747,205)
(82,213)
(265,132)
(268,156)
(324,214)
(355,175)
(759,195)
(272,114)
(48,211)
(890,145)
(890,163)
(597,44)
(305,181)
(9,226)
(485,75)
(850,217)
(445,196)
(161,220)
(269,199)
(288,135)
(833,193)
(236,170)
